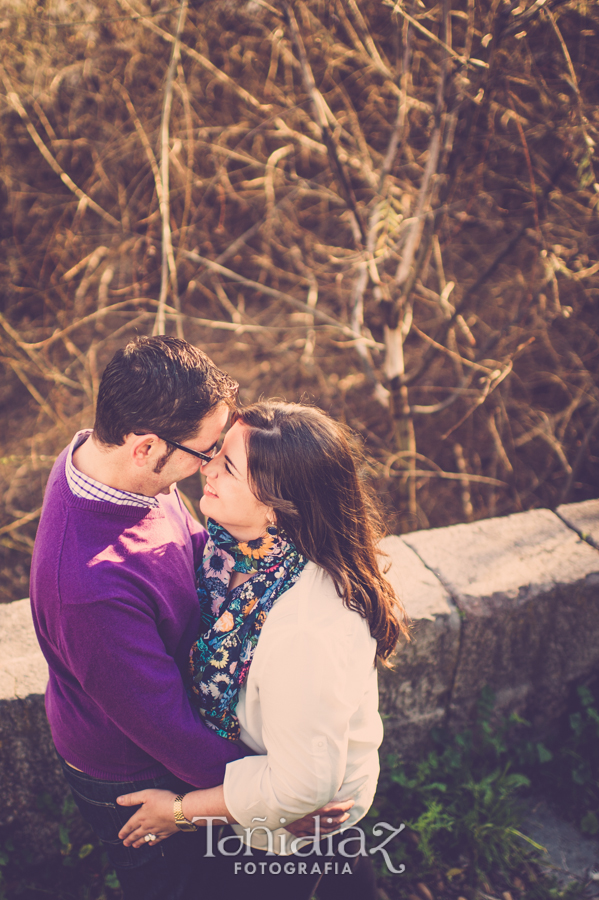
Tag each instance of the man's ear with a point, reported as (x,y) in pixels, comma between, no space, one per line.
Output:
(143,448)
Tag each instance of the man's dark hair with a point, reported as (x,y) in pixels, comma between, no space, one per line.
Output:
(160,385)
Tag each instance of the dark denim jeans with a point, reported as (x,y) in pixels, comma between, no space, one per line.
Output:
(258,876)
(171,870)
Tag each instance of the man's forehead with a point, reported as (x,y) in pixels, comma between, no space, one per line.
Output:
(212,424)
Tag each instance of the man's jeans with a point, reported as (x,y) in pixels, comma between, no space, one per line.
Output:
(170,870)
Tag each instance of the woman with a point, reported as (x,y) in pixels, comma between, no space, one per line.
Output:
(291,585)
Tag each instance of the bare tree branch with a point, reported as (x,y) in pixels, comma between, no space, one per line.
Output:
(169,268)
(84,200)
(279,295)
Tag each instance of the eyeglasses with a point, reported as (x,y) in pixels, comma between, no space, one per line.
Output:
(205,457)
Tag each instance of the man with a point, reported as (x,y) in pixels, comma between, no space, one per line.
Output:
(115,607)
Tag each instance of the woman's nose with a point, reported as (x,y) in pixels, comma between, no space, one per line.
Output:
(212,465)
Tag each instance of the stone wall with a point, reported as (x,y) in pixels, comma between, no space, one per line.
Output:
(31,781)
(512,603)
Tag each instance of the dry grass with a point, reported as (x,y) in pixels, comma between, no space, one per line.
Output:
(387,208)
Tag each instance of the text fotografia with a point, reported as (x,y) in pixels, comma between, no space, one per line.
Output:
(348,843)
(292,868)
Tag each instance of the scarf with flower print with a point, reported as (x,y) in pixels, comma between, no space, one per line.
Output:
(232,621)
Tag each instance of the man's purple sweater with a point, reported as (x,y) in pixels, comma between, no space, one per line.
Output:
(116,611)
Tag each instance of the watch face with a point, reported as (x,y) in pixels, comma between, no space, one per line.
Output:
(186,826)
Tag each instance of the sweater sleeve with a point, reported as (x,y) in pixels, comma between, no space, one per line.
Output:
(311,680)
(114,650)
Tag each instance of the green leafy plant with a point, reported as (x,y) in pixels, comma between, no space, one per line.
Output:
(80,868)
(461,803)
(6,849)
(565,766)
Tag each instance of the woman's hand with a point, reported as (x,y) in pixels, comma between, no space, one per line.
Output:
(156,816)
(332,816)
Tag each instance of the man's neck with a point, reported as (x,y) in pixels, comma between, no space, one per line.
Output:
(108,465)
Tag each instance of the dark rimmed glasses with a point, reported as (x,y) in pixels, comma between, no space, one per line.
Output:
(205,457)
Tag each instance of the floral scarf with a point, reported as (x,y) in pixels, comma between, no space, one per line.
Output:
(232,621)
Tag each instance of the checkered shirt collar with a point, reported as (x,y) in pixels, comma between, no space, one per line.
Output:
(88,489)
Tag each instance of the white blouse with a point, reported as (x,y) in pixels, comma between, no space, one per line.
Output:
(309,709)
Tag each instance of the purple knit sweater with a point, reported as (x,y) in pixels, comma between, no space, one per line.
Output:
(116,611)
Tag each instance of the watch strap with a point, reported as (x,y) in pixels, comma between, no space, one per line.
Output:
(180,821)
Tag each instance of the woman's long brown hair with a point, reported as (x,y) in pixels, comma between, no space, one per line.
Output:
(305,466)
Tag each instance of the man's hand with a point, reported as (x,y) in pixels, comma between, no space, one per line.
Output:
(332,816)
(156,817)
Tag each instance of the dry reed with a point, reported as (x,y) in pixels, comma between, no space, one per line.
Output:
(388,208)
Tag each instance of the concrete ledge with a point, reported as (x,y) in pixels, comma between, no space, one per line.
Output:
(510,602)
(31,782)
(23,669)
(527,588)
(415,693)
(583,518)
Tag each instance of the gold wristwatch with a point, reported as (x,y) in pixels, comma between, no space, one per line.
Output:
(180,821)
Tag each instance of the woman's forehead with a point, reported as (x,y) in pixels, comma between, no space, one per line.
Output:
(235,447)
